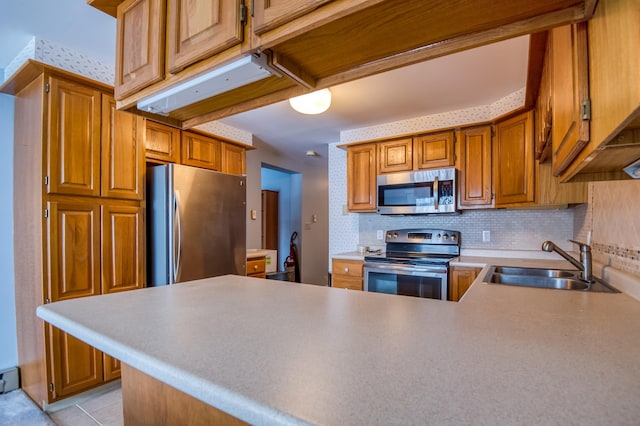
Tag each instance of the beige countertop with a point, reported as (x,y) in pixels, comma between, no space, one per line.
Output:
(273,352)
(253,253)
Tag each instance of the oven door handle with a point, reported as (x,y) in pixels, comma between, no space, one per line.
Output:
(412,269)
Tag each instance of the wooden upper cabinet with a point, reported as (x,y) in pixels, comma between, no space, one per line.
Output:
(513,161)
(269,14)
(122,248)
(73,237)
(361,178)
(76,366)
(475,168)
(162,143)
(395,156)
(233,159)
(122,152)
(73,139)
(433,151)
(140,43)
(199,29)
(570,82)
(201,151)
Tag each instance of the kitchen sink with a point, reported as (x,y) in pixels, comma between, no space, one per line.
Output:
(559,279)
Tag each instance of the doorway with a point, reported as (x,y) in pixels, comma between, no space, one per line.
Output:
(287,185)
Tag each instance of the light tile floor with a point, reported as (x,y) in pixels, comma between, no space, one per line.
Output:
(104,409)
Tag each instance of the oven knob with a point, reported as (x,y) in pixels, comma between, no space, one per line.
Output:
(438,236)
(453,237)
(395,235)
(445,236)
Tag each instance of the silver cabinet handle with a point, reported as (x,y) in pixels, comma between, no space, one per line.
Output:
(436,200)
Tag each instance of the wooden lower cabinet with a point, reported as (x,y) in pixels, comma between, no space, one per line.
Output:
(347,274)
(460,279)
(75,366)
(111,368)
(256,267)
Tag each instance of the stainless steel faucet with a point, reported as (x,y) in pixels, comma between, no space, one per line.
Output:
(585,257)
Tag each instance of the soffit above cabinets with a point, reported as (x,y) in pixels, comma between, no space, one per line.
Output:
(342,41)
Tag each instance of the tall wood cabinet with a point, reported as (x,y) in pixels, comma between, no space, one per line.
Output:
(475,168)
(79,173)
(361,178)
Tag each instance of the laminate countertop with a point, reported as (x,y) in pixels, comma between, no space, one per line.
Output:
(273,352)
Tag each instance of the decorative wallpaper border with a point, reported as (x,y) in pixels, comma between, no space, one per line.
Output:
(221,129)
(460,117)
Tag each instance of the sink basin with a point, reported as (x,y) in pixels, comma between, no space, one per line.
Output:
(559,279)
(540,282)
(536,272)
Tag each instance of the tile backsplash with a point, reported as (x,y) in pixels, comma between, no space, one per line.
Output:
(612,220)
(509,229)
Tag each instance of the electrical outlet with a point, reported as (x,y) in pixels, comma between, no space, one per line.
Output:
(486,236)
(380,234)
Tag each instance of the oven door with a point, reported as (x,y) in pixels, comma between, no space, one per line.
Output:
(407,280)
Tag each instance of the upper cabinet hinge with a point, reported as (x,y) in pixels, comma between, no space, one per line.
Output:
(252,7)
(46,180)
(586,110)
(243,14)
(46,213)
(47,88)
(51,387)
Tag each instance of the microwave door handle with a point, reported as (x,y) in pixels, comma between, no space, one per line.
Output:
(436,200)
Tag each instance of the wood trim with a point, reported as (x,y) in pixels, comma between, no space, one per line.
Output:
(537,50)
(148,401)
(293,70)
(110,7)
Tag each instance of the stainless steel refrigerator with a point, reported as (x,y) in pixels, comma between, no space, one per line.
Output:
(196,222)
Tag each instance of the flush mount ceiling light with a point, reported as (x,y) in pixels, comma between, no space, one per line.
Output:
(312,103)
(236,74)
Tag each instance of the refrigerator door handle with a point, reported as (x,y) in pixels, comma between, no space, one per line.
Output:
(177,238)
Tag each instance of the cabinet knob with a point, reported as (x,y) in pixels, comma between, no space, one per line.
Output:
(255,267)
(346,270)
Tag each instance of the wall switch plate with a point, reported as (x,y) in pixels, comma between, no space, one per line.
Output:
(380,234)
(254,215)
(486,236)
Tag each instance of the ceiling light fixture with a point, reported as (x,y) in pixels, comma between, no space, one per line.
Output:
(311,153)
(236,74)
(312,103)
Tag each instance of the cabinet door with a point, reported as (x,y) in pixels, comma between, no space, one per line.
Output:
(201,151)
(361,178)
(395,156)
(461,280)
(269,14)
(112,368)
(139,45)
(122,248)
(475,167)
(432,151)
(199,29)
(347,274)
(76,366)
(73,140)
(122,152)
(233,159)
(570,131)
(162,143)
(73,249)
(513,161)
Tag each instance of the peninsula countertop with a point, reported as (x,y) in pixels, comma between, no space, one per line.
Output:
(273,352)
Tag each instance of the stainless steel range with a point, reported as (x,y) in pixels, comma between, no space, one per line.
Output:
(416,263)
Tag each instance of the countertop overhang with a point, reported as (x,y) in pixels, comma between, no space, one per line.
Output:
(272,352)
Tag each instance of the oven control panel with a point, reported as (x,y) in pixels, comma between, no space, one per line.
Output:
(423,236)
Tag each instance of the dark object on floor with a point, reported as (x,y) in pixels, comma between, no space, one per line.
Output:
(292,260)
(17,409)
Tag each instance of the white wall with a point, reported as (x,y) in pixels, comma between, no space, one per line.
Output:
(8,338)
(313,240)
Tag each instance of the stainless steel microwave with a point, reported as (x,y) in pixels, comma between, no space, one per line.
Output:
(421,192)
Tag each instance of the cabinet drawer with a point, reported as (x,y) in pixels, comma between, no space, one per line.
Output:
(345,281)
(256,266)
(351,268)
